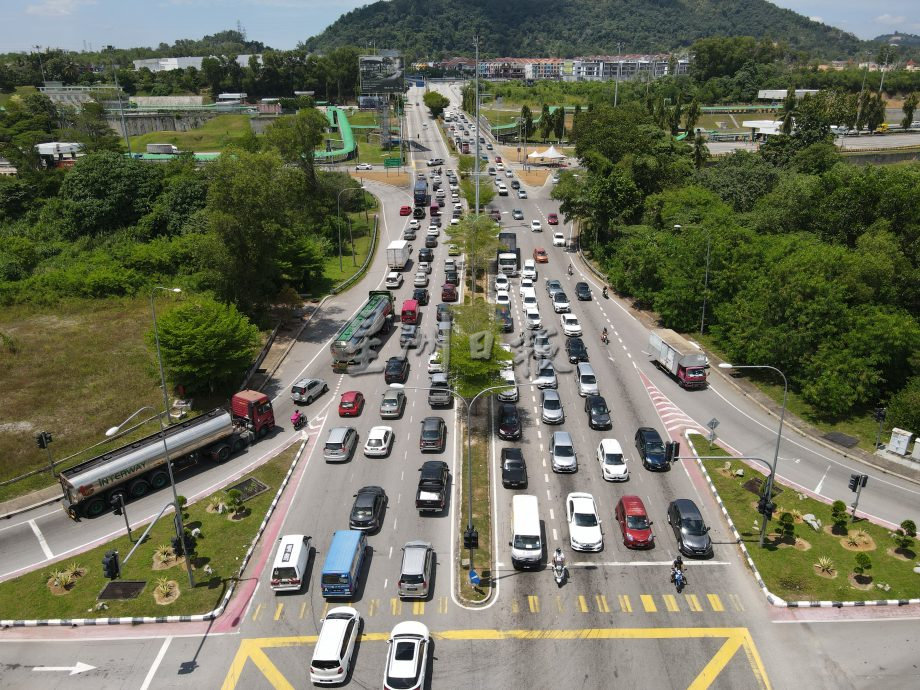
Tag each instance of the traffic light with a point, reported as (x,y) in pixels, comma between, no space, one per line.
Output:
(768,510)
(177,546)
(470,539)
(42,439)
(854,482)
(110,565)
(671,451)
(879,414)
(116,501)
(863,479)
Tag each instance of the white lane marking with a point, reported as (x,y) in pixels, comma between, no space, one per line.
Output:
(823,477)
(617,564)
(555,535)
(156,664)
(552,515)
(49,554)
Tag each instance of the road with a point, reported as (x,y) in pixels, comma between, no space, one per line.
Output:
(617,619)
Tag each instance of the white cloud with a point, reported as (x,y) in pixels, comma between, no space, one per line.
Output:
(890,20)
(57,8)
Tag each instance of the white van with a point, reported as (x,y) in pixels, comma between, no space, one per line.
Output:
(335,646)
(526,540)
(502,189)
(290,565)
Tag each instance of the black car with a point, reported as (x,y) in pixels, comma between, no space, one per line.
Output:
(515,184)
(576,350)
(452,277)
(598,412)
(503,315)
(433,435)
(421,296)
(397,370)
(583,291)
(509,422)
(431,241)
(690,530)
(367,511)
(444,313)
(426,254)
(418,212)
(651,449)
(514,469)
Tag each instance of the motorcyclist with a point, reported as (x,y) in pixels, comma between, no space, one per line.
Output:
(570,269)
(558,558)
(604,335)
(605,292)
(677,570)
(296,417)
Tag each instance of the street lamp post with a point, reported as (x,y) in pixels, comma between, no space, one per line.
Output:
(476,168)
(768,494)
(180,527)
(677,228)
(338,217)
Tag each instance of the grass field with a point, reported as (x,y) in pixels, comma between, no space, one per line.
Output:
(214,135)
(20,91)
(788,566)
(222,545)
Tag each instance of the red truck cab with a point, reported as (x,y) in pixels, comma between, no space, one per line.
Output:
(254,410)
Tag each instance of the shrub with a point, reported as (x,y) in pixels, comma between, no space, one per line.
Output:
(825,564)
(787,526)
(164,553)
(61,578)
(904,536)
(164,586)
(838,508)
(863,564)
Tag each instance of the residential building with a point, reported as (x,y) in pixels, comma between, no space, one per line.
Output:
(624,67)
(167,64)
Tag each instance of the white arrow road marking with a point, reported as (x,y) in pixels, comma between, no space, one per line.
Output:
(79,667)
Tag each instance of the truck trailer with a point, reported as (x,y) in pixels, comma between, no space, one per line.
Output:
(398,252)
(134,470)
(682,360)
(163,148)
(508,256)
(355,340)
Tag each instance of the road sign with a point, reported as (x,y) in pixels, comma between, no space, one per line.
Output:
(474,578)
(392,162)
(713,423)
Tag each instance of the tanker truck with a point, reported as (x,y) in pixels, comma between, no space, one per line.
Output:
(134,470)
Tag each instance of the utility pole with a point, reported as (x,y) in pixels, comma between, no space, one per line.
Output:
(616,85)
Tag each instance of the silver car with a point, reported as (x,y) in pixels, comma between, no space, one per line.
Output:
(415,572)
(541,347)
(307,390)
(546,375)
(552,412)
(562,452)
(393,404)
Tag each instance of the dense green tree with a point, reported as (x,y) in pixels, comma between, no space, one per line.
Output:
(739,179)
(908,107)
(475,329)
(468,189)
(904,406)
(476,237)
(546,122)
(526,121)
(296,137)
(206,345)
(436,103)
(559,123)
(89,127)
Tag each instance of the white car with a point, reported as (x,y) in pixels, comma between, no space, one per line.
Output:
(530,269)
(536,226)
(379,442)
(414,224)
(407,656)
(526,283)
(558,239)
(584,526)
(508,394)
(570,325)
(501,283)
(394,280)
(458,206)
(500,167)
(436,363)
(455,221)
(434,230)
(424,267)
(503,297)
(612,462)
(440,194)
(533,320)
(335,646)
(508,173)
(364,166)
(522,194)
(421,280)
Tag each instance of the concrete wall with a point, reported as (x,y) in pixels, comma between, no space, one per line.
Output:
(143,123)
(167,101)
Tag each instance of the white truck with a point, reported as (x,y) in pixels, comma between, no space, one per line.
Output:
(163,148)
(678,357)
(398,252)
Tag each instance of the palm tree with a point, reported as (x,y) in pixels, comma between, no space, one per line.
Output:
(788,112)
(700,152)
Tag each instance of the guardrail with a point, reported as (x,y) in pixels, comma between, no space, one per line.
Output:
(367,262)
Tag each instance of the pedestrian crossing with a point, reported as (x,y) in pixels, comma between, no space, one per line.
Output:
(527,605)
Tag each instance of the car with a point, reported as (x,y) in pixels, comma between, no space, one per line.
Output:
(394,280)
(540,256)
(364,166)
(448,293)
(551,411)
(432,162)
(455,221)
(421,295)
(576,351)
(434,230)
(503,316)
(517,214)
(453,250)
(498,159)
(499,166)
(502,283)
(561,303)
(340,444)
(503,298)
(598,412)
(542,349)
(582,291)
(405,210)
(522,193)
(530,269)
(393,404)
(488,147)
(440,194)
(451,277)
(379,442)
(514,469)
(552,219)
(426,255)
(491,169)
(420,279)
(407,656)
(690,530)
(335,646)
(553,286)
(555,178)
(651,448)
(516,184)
(450,264)
(527,283)
(570,325)
(306,391)
(431,241)
(546,374)
(418,213)
(635,526)
(351,404)
(584,526)
(414,224)
(511,393)
(533,320)
(436,363)
(509,173)
(408,234)
(509,422)
(409,334)
(562,452)
(612,461)
(536,226)
(433,435)
(397,370)
(415,571)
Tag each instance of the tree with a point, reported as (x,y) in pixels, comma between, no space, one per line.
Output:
(576,116)
(559,124)
(905,535)
(863,564)
(904,406)
(436,103)
(739,179)
(486,193)
(476,238)
(475,356)
(694,111)
(206,346)
(876,112)
(546,123)
(526,122)
(91,129)
(296,137)
(700,152)
(908,107)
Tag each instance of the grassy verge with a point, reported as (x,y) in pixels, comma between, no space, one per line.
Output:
(482,515)
(332,274)
(789,565)
(214,135)
(20,92)
(222,545)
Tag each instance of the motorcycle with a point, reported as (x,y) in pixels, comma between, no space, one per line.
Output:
(679,579)
(605,339)
(559,573)
(299,421)
(570,271)
(605,294)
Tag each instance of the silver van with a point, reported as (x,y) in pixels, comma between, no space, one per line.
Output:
(439,395)
(586,379)
(340,444)
(415,572)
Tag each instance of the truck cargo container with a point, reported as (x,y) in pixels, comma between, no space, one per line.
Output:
(678,357)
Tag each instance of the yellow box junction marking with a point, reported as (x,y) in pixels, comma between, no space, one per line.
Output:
(255,614)
(693,602)
(648,603)
(715,602)
(736,602)
(395,606)
(735,638)
(418,608)
(534,602)
(582,603)
(670,602)
(602,603)
(303,609)
(372,608)
(559,606)
(625,606)
(442,605)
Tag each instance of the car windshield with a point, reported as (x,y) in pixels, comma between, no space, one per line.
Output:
(589,378)
(547,373)
(692,526)
(596,408)
(551,404)
(513,465)
(562,451)
(613,459)
(654,446)
(585,520)
(527,543)
(637,522)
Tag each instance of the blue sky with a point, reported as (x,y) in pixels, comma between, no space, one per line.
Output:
(73,24)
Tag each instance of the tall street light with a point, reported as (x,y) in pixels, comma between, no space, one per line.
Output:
(677,228)
(779,434)
(476,168)
(180,526)
(338,216)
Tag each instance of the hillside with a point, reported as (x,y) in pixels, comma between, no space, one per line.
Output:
(567,28)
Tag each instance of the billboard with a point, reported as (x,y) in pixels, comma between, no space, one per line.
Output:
(381,74)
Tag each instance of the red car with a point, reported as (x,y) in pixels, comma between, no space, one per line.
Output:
(634,523)
(405,210)
(351,404)
(448,293)
(552,219)
(540,256)
(498,159)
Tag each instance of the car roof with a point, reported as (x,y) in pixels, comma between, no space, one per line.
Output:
(337,433)
(512,454)
(584,502)
(649,432)
(432,421)
(414,554)
(611,445)
(687,508)
(350,395)
(562,437)
(550,393)
(633,505)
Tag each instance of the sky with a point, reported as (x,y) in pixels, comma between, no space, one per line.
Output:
(91,24)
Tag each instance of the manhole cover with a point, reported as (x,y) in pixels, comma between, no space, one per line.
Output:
(755,486)
(122,589)
(249,488)
(841,439)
